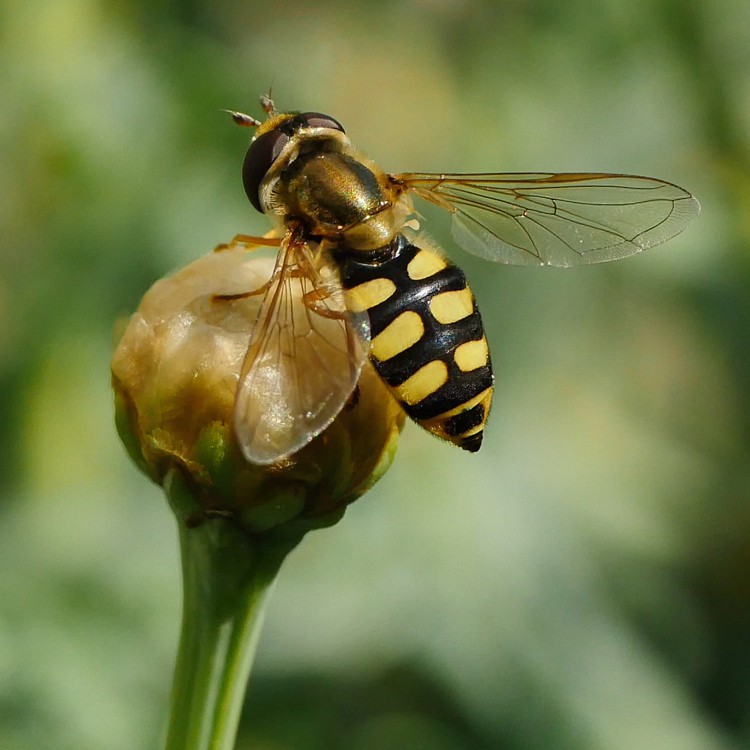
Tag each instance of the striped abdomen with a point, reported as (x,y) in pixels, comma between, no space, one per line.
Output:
(428,342)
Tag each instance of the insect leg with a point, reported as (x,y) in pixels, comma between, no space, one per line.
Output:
(262,241)
(262,289)
(246,239)
(315,300)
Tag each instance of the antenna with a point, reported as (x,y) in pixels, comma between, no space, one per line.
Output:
(246,121)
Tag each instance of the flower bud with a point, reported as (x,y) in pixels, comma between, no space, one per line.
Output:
(175,373)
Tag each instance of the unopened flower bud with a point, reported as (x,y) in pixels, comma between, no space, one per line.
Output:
(175,374)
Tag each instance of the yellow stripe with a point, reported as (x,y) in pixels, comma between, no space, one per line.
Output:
(436,424)
(449,307)
(369,293)
(398,336)
(472,431)
(471,355)
(484,397)
(424,264)
(423,382)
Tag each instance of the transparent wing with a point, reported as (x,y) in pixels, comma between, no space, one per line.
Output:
(304,358)
(556,219)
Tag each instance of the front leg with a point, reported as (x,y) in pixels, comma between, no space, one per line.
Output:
(252,242)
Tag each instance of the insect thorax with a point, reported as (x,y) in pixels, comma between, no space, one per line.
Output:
(341,197)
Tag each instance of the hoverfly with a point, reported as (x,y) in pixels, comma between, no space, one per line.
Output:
(352,282)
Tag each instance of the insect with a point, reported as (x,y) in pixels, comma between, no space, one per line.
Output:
(353,281)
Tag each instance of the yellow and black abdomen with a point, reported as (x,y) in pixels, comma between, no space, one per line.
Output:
(428,342)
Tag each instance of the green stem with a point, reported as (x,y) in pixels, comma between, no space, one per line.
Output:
(227,575)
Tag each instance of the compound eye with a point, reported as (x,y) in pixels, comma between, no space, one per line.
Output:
(263,152)
(319,120)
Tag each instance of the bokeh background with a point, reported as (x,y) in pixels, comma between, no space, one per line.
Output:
(584,581)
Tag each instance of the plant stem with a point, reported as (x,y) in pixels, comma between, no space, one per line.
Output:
(227,576)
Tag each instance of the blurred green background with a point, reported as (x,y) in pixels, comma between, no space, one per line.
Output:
(584,581)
